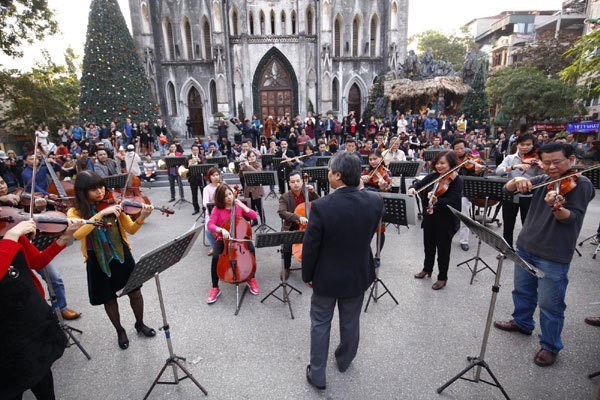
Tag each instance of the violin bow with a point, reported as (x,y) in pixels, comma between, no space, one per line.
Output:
(33,176)
(564,177)
(439,178)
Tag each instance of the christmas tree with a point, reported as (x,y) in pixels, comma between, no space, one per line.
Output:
(113,83)
(476,104)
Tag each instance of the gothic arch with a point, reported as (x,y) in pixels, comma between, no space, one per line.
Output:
(171,98)
(145,17)
(294,22)
(168,39)
(356,36)
(362,86)
(276,54)
(187,85)
(206,38)
(374,28)
(283,21)
(394,16)
(233,21)
(310,20)
(326,11)
(338,36)
(217,20)
(188,38)
(335,94)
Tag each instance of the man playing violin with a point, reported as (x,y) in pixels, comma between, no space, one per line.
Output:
(522,163)
(290,221)
(547,242)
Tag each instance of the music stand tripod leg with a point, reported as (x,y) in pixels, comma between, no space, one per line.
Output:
(284,285)
(67,329)
(239,299)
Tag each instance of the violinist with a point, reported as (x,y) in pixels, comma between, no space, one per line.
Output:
(254,193)
(285,168)
(439,224)
(394,153)
(291,221)
(31,337)
(524,163)
(547,242)
(107,253)
(195,181)
(224,199)
(460,146)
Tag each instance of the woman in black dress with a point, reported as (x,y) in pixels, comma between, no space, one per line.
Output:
(30,337)
(107,253)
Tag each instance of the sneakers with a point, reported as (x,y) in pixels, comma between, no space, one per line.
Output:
(214,293)
(152,179)
(595,241)
(253,286)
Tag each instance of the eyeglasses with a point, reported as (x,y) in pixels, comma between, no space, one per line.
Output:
(554,162)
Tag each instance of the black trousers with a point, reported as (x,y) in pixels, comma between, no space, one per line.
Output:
(43,390)
(437,236)
(509,216)
(172,180)
(256,205)
(195,187)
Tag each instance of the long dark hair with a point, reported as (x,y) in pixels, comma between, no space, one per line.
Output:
(220,195)
(450,157)
(86,181)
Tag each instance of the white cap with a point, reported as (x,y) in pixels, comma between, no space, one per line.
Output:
(130,147)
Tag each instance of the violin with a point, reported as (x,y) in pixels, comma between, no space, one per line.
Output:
(60,204)
(562,187)
(378,175)
(131,206)
(474,162)
(302,210)
(49,222)
(439,188)
(530,157)
(236,263)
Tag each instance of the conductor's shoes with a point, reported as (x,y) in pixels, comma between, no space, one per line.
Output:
(594,321)
(544,358)
(309,379)
(69,314)
(510,326)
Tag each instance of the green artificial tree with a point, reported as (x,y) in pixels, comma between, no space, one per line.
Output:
(476,104)
(113,83)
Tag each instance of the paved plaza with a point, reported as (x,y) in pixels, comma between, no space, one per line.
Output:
(406,350)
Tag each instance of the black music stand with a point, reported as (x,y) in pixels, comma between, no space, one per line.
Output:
(115,181)
(395,213)
(282,239)
(594,176)
(488,189)
(260,178)
(318,174)
(404,169)
(429,155)
(172,161)
(323,161)
(266,160)
(221,161)
(42,242)
(201,170)
(504,249)
(151,265)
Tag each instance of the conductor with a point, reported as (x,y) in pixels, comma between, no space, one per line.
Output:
(338,264)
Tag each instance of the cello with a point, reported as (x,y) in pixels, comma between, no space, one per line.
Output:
(302,210)
(236,264)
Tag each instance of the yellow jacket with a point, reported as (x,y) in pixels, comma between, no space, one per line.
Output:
(126,225)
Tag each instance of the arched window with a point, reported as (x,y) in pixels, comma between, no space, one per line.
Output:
(187,34)
(233,21)
(251,23)
(169,42)
(394,16)
(355,38)
(335,94)
(145,18)
(337,37)
(262,22)
(282,18)
(272,22)
(374,34)
(172,98)
(293,22)
(213,97)
(325,18)
(207,40)
(309,21)
(217,18)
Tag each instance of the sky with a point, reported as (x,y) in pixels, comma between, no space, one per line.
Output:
(447,16)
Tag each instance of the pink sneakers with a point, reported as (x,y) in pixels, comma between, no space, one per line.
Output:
(253,285)
(214,293)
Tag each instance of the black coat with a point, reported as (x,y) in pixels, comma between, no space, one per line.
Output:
(336,253)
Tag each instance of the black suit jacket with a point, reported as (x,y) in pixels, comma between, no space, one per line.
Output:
(336,253)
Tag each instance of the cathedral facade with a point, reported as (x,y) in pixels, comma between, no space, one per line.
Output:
(262,58)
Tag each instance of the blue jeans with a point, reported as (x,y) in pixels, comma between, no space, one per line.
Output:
(549,292)
(57,285)
(210,238)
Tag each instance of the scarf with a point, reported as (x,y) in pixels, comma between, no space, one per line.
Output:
(107,244)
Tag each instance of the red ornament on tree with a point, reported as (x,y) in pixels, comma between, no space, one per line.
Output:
(124,108)
(134,111)
(89,110)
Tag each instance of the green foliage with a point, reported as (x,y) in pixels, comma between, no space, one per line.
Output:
(241,113)
(376,99)
(585,54)
(452,48)
(23,21)
(546,53)
(113,83)
(528,92)
(476,104)
(49,94)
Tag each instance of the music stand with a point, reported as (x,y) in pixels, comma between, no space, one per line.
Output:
(222,161)
(115,181)
(323,161)
(172,161)
(488,189)
(200,170)
(429,155)
(395,213)
(403,169)
(151,265)
(260,178)
(267,160)
(594,176)
(42,242)
(281,239)
(504,249)
(318,174)
(365,159)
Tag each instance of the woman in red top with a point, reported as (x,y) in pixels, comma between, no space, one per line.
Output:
(224,199)
(31,339)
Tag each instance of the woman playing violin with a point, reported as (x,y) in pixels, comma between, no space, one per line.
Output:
(439,224)
(224,199)
(107,253)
